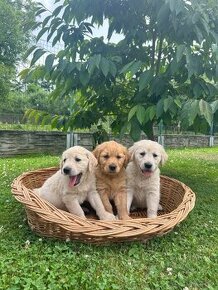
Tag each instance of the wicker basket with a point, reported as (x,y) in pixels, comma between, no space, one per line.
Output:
(177,201)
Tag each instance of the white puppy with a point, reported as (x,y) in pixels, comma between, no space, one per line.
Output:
(143,176)
(75,183)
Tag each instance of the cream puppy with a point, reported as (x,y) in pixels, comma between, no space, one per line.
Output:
(75,183)
(143,176)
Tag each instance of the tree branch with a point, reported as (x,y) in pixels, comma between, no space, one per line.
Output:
(159,55)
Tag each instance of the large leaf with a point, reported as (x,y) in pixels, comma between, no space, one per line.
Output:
(37,54)
(140,114)
(127,67)
(206,111)
(49,62)
(84,77)
(144,79)
(105,66)
(132,112)
(180,51)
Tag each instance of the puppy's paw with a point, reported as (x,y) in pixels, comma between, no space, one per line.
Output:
(160,207)
(108,216)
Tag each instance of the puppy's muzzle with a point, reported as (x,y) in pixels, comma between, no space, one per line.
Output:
(66,170)
(147,166)
(112,168)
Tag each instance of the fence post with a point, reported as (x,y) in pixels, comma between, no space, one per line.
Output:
(160,138)
(211,138)
(72,139)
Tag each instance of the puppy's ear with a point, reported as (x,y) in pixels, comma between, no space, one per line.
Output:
(164,156)
(131,151)
(127,157)
(61,162)
(97,151)
(92,161)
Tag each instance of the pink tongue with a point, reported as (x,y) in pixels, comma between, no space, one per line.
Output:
(147,173)
(72,181)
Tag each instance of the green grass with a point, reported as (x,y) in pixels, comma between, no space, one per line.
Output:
(186,258)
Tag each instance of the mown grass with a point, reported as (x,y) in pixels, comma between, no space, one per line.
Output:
(186,258)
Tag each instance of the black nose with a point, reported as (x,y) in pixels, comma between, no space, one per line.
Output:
(112,167)
(147,165)
(66,170)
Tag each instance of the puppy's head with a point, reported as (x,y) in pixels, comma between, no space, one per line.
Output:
(76,163)
(148,155)
(112,157)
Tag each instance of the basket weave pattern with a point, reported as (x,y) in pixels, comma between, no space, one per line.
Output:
(177,201)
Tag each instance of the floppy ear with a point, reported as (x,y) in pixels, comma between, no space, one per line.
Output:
(131,151)
(127,157)
(92,161)
(61,162)
(164,156)
(97,151)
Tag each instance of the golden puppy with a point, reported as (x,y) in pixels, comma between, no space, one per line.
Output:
(74,183)
(111,176)
(143,173)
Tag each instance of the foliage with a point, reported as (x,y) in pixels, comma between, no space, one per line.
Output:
(186,258)
(34,97)
(14,38)
(164,68)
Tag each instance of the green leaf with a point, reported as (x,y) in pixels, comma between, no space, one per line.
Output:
(57,10)
(152,112)
(144,79)
(41,32)
(132,112)
(84,77)
(29,51)
(37,54)
(126,67)
(135,67)
(178,102)
(160,108)
(105,66)
(46,20)
(214,106)
(24,73)
(180,51)
(113,69)
(49,62)
(135,131)
(140,114)
(40,11)
(193,111)
(206,111)
(167,103)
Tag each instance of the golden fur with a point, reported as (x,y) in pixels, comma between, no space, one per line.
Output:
(74,183)
(143,176)
(111,176)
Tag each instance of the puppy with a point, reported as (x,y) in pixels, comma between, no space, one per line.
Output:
(143,176)
(74,183)
(111,176)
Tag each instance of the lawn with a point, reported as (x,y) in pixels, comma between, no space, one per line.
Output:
(186,258)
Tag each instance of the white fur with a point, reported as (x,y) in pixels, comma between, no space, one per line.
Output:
(57,191)
(143,189)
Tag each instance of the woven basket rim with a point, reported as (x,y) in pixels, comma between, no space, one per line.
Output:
(73,223)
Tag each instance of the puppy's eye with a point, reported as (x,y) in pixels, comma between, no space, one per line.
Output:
(154,155)
(106,156)
(77,159)
(119,157)
(65,159)
(142,153)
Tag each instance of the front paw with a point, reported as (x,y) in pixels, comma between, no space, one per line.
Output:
(125,217)
(160,207)
(108,216)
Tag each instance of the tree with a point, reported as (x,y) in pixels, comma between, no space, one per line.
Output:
(14,15)
(163,69)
